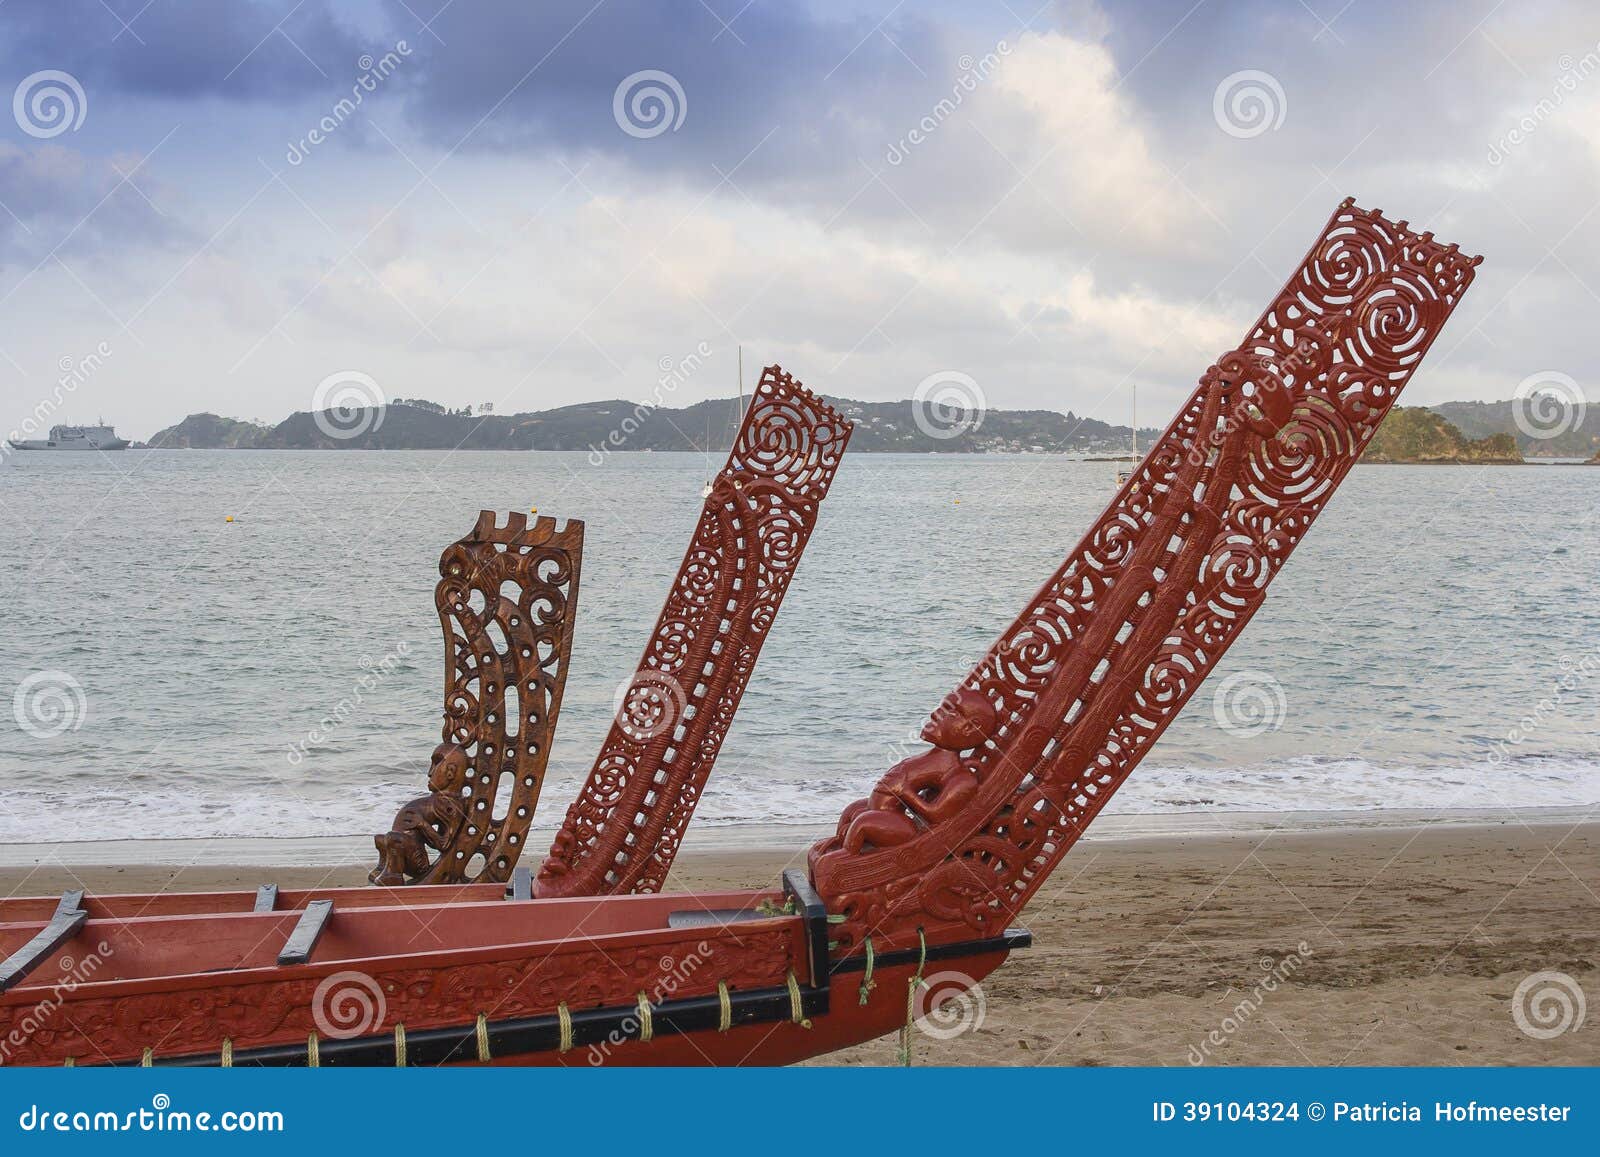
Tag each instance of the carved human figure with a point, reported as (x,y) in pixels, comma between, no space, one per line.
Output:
(429,822)
(920,791)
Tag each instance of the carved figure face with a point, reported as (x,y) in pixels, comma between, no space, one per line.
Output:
(448,772)
(963,721)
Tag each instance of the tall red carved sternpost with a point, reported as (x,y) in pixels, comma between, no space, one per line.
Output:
(1051,721)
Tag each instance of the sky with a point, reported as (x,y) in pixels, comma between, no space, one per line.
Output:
(536,205)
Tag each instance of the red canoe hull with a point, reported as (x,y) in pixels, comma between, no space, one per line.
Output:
(463,976)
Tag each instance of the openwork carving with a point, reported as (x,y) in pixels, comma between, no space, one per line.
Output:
(1051,721)
(507,601)
(623,831)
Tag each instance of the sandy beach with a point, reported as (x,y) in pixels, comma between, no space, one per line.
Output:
(1384,945)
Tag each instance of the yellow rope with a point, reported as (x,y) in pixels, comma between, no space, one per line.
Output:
(565,1018)
(796,1009)
(646,1027)
(70,1063)
(724,1007)
(911,1001)
(399,1046)
(867,983)
(148,1059)
(313,1052)
(227,1052)
(483,1038)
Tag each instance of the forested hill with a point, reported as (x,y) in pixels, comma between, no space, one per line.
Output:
(1450,431)
(621,426)
(1416,434)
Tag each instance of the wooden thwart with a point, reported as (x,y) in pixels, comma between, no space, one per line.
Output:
(303,940)
(64,925)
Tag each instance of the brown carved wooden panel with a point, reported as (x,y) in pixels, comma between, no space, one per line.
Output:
(507,600)
(1052,720)
(623,831)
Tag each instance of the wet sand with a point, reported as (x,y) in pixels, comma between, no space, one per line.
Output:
(1362,946)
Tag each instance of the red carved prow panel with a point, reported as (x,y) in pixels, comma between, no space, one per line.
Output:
(623,831)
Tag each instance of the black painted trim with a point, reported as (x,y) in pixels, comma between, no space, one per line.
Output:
(797,884)
(601,1027)
(1008,941)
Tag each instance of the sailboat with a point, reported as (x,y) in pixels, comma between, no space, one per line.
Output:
(1123,476)
(705,491)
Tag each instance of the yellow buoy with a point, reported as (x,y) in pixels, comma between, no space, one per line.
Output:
(230,518)
(533,510)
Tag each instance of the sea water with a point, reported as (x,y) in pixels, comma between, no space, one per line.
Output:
(1434,644)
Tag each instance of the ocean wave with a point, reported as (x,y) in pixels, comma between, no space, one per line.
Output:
(266,807)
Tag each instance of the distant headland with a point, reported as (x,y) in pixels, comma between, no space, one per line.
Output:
(1478,433)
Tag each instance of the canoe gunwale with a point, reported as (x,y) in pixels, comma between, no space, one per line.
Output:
(589,1027)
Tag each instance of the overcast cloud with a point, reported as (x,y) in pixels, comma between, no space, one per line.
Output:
(1054,200)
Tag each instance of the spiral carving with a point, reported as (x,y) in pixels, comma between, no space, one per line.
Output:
(623,831)
(507,600)
(1120,637)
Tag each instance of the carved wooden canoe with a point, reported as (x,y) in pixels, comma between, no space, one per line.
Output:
(928,873)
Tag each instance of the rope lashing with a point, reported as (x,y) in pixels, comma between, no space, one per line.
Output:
(646,1028)
(911,1000)
(724,1007)
(483,1039)
(564,1018)
(796,1009)
(227,1052)
(867,983)
(399,1046)
(70,1063)
(148,1059)
(313,1052)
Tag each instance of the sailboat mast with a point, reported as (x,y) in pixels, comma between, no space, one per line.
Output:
(1134,391)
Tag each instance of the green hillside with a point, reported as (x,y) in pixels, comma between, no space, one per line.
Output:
(618,425)
(1481,419)
(1418,434)
(208,432)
